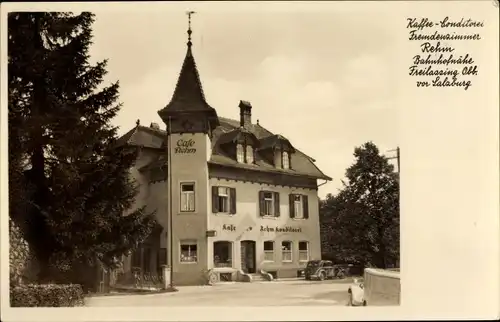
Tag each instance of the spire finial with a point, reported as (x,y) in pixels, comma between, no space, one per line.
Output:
(189,13)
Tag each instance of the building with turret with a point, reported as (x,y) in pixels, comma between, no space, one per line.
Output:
(240,198)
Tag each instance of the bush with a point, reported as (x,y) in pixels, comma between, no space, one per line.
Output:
(46,295)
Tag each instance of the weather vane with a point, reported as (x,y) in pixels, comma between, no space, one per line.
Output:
(189,13)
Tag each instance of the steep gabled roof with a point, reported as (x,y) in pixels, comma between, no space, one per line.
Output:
(274,140)
(143,136)
(302,165)
(237,134)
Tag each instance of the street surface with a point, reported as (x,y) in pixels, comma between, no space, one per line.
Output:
(275,293)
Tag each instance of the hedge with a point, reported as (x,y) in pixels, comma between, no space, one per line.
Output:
(46,295)
(22,262)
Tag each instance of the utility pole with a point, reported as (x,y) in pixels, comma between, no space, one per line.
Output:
(396,157)
(170,287)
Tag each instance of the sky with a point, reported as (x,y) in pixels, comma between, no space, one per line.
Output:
(316,77)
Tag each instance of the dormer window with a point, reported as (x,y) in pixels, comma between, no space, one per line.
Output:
(249,154)
(240,153)
(244,153)
(276,150)
(240,144)
(285,160)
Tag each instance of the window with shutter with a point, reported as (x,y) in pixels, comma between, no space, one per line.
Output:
(223,199)
(297,205)
(262,204)
(215,199)
(305,205)
(232,200)
(276,202)
(269,203)
(291,205)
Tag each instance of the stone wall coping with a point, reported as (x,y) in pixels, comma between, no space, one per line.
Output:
(383,273)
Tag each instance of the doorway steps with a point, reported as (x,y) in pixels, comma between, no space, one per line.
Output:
(259,277)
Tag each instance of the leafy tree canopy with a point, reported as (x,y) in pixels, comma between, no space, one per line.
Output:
(361,223)
(72,177)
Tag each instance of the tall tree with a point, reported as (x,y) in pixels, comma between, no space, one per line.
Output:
(361,223)
(59,115)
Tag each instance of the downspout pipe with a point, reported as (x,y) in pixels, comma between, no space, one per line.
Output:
(326,181)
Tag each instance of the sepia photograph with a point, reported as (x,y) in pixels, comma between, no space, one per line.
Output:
(187,156)
(227,193)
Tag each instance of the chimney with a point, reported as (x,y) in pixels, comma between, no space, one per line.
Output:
(245,114)
(155,126)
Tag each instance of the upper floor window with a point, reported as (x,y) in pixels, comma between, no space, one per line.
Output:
(249,154)
(285,160)
(299,206)
(269,203)
(187,197)
(244,153)
(223,200)
(240,153)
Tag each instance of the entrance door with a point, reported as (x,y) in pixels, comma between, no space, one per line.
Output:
(248,256)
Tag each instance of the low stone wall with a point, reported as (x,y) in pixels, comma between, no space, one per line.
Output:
(382,287)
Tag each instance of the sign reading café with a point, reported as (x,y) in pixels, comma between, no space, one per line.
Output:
(185,146)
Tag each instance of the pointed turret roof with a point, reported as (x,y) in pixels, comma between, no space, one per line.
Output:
(188,93)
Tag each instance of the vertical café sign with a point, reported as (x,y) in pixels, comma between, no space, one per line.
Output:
(185,146)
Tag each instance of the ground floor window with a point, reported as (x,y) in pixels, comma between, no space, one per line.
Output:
(303,251)
(286,251)
(223,251)
(269,251)
(189,251)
